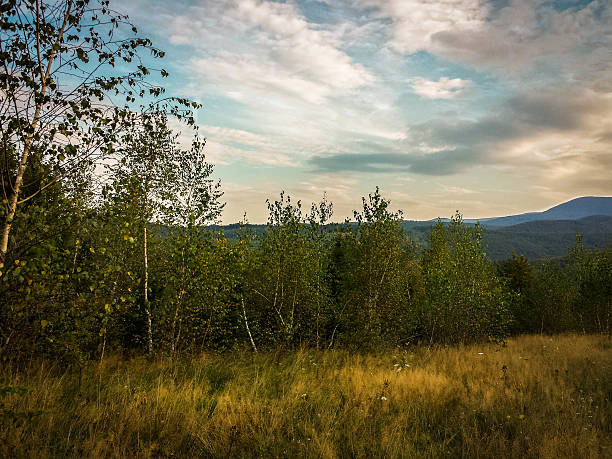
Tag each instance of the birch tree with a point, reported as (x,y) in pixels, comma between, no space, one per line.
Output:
(165,187)
(64,100)
(141,179)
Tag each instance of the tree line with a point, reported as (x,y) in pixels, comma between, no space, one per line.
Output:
(113,280)
(105,246)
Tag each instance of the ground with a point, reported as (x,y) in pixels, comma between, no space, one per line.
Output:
(537,396)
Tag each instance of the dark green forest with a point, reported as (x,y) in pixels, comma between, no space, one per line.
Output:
(107,243)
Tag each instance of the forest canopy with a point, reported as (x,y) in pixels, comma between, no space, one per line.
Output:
(106,244)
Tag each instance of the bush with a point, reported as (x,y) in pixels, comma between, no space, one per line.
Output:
(465,300)
(377,282)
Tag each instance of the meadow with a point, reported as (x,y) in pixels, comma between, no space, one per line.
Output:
(535,396)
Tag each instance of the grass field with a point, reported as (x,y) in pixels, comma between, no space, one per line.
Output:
(536,397)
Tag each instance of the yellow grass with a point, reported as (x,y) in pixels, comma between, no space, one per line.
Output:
(552,400)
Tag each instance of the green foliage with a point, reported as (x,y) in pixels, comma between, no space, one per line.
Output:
(592,274)
(62,269)
(377,282)
(554,294)
(465,299)
(573,293)
(595,303)
(519,276)
(284,288)
(104,246)
(198,304)
(57,112)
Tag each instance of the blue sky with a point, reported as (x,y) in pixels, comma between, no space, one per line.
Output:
(489,107)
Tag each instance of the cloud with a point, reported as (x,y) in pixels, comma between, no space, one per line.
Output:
(440,163)
(416,23)
(535,131)
(572,43)
(290,78)
(286,53)
(444,88)
(256,77)
(226,145)
(511,95)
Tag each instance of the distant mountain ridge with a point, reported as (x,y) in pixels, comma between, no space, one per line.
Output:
(540,235)
(575,209)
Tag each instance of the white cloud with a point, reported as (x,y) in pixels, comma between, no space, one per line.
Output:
(220,133)
(575,44)
(226,145)
(259,78)
(286,53)
(415,22)
(444,88)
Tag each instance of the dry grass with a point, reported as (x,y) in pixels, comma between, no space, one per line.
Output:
(537,397)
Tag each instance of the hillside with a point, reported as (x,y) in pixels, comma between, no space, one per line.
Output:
(536,240)
(547,239)
(571,210)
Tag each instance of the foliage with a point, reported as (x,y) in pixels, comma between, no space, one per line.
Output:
(574,294)
(285,288)
(519,276)
(63,65)
(377,279)
(109,243)
(465,299)
(198,304)
(61,62)
(592,274)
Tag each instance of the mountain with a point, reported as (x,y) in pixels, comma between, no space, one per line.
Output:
(571,210)
(537,240)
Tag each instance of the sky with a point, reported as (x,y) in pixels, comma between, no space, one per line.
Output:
(488,107)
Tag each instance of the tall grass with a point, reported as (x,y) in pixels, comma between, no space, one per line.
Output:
(536,397)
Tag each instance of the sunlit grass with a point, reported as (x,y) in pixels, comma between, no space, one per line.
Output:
(536,397)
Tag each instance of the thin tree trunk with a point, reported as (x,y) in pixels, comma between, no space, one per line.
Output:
(599,327)
(175,336)
(76,251)
(14,196)
(608,318)
(246,323)
(178,333)
(112,300)
(103,347)
(331,341)
(146,294)
(318,300)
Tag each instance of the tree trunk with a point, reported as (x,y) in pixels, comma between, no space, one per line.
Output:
(246,323)
(318,300)
(175,335)
(146,294)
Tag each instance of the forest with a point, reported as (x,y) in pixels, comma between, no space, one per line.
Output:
(106,245)
(109,249)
